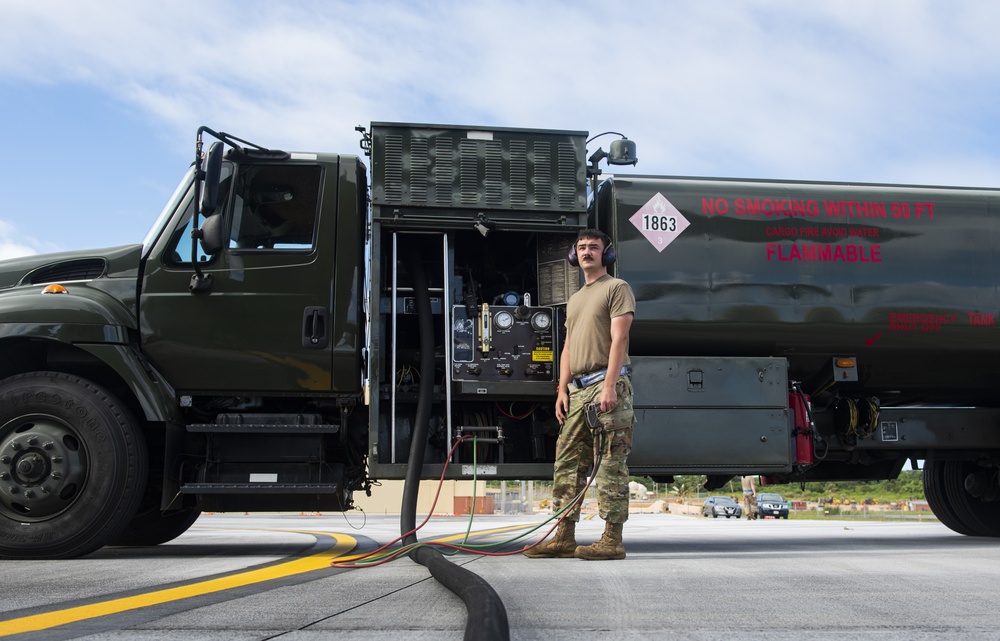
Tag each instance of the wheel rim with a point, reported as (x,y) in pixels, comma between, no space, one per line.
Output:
(43,467)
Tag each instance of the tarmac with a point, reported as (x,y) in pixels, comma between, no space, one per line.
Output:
(255,576)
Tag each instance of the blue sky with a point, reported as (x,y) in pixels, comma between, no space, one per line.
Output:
(101,100)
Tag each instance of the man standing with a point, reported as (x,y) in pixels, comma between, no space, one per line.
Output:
(749,498)
(593,373)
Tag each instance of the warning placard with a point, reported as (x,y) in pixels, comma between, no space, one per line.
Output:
(659,221)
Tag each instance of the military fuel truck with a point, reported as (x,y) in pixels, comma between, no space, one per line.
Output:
(296,327)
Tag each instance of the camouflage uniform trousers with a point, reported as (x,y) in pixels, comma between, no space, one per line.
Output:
(575,453)
(750,505)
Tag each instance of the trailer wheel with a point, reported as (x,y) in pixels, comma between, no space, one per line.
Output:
(937,499)
(72,466)
(982,517)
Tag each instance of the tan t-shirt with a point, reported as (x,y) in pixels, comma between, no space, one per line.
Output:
(588,322)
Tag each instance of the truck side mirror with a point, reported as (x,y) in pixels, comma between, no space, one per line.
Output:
(213,170)
(211,234)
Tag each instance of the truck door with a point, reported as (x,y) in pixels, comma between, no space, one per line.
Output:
(264,325)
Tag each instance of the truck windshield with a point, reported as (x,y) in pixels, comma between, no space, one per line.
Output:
(172,204)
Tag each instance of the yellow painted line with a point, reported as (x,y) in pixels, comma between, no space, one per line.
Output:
(316,561)
(478,533)
(445,539)
(48,620)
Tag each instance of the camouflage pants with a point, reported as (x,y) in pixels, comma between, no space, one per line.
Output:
(575,453)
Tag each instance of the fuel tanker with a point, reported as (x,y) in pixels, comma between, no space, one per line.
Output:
(298,326)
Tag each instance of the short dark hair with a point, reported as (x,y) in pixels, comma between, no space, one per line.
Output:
(593,233)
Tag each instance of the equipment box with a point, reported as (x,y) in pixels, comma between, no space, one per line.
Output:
(714,415)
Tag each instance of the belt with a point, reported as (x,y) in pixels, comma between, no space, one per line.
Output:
(586,380)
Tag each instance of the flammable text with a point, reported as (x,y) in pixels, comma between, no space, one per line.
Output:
(814,252)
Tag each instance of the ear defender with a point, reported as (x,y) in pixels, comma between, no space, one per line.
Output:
(608,256)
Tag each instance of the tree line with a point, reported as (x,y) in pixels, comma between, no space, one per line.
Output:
(907,487)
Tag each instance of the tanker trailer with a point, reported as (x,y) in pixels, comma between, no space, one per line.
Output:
(843,327)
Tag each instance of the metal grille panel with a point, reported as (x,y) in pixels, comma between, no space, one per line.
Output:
(431,166)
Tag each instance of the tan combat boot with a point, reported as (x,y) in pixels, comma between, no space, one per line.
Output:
(609,547)
(562,545)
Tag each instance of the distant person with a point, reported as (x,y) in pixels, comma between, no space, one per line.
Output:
(749,498)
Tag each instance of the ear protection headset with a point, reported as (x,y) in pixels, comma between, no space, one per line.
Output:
(608,256)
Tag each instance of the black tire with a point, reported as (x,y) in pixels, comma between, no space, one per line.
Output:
(150,526)
(73,466)
(155,527)
(714,515)
(937,499)
(982,517)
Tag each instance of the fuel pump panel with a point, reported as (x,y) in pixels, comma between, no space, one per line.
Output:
(503,343)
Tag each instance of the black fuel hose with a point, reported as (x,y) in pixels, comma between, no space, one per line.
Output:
(487,616)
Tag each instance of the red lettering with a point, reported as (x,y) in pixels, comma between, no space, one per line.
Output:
(714,206)
(982,320)
(748,207)
(814,252)
(803,208)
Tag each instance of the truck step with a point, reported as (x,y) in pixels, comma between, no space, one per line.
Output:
(266,423)
(263,428)
(260,488)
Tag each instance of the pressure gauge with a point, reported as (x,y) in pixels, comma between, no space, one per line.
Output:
(541,321)
(503,320)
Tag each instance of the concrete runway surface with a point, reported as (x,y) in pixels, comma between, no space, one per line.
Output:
(253,577)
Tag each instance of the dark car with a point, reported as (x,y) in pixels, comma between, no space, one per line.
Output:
(770,504)
(716,506)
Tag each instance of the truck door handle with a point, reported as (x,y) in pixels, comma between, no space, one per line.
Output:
(314,334)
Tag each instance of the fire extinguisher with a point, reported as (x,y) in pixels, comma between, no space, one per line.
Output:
(802,425)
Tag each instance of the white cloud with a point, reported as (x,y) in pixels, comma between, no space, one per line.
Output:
(13,244)
(764,88)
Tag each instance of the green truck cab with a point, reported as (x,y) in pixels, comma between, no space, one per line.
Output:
(130,401)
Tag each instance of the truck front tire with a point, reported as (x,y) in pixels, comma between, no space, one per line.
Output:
(73,466)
